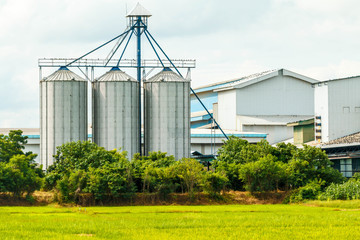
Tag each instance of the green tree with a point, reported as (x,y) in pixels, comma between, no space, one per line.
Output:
(190,172)
(19,176)
(149,170)
(284,152)
(236,152)
(214,182)
(262,175)
(84,167)
(12,144)
(310,163)
(111,180)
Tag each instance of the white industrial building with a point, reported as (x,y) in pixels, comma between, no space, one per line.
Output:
(264,102)
(337,108)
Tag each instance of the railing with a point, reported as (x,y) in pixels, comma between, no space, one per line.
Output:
(124,63)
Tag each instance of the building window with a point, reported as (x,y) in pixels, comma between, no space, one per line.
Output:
(336,164)
(355,165)
(346,167)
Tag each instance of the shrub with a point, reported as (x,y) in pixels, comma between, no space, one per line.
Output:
(262,175)
(190,172)
(308,192)
(84,167)
(145,173)
(19,176)
(111,180)
(236,152)
(214,182)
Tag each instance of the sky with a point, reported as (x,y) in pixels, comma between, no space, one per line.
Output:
(228,39)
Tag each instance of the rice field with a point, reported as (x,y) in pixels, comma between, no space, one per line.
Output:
(182,222)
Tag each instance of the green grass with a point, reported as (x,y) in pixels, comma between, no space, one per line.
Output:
(180,222)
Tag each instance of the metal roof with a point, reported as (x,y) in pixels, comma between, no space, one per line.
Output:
(167,75)
(139,11)
(228,82)
(349,139)
(252,79)
(116,75)
(256,79)
(63,74)
(269,120)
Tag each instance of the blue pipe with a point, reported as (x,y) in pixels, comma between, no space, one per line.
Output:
(116,49)
(139,77)
(122,54)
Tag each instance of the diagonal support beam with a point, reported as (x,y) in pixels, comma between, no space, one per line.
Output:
(197,97)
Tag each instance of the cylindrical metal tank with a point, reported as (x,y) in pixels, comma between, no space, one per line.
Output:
(115,111)
(63,112)
(167,114)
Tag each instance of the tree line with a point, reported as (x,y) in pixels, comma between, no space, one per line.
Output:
(84,168)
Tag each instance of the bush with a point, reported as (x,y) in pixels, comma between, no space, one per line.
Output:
(19,176)
(236,152)
(214,182)
(111,180)
(262,175)
(149,172)
(190,172)
(84,167)
(308,192)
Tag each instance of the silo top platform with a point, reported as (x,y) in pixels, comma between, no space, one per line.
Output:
(139,11)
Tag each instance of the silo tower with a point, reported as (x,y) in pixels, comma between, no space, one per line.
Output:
(115,111)
(63,112)
(167,114)
(167,105)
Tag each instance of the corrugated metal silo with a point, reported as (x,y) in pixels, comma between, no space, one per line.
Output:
(63,112)
(115,111)
(167,114)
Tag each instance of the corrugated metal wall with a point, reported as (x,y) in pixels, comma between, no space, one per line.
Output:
(63,112)
(167,114)
(115,112)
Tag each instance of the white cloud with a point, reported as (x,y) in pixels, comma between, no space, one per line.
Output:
(228,39)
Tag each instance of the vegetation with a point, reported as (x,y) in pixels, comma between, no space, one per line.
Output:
(84,168)
(180,222)
(18,172)
(262,167)
(349,190)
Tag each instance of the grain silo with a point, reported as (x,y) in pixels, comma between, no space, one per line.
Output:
(115,111)
(63,112)
(167,114)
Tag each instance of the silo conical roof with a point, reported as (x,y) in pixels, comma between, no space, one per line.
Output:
(167,75)
(63,74)
(139,11)
(116,75)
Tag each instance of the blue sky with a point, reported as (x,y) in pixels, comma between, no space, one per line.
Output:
(228,39)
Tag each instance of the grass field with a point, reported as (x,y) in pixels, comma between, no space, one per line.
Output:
(182,222)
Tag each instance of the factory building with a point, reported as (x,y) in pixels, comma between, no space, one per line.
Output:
(337,108)
(264,102)
(344,152)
